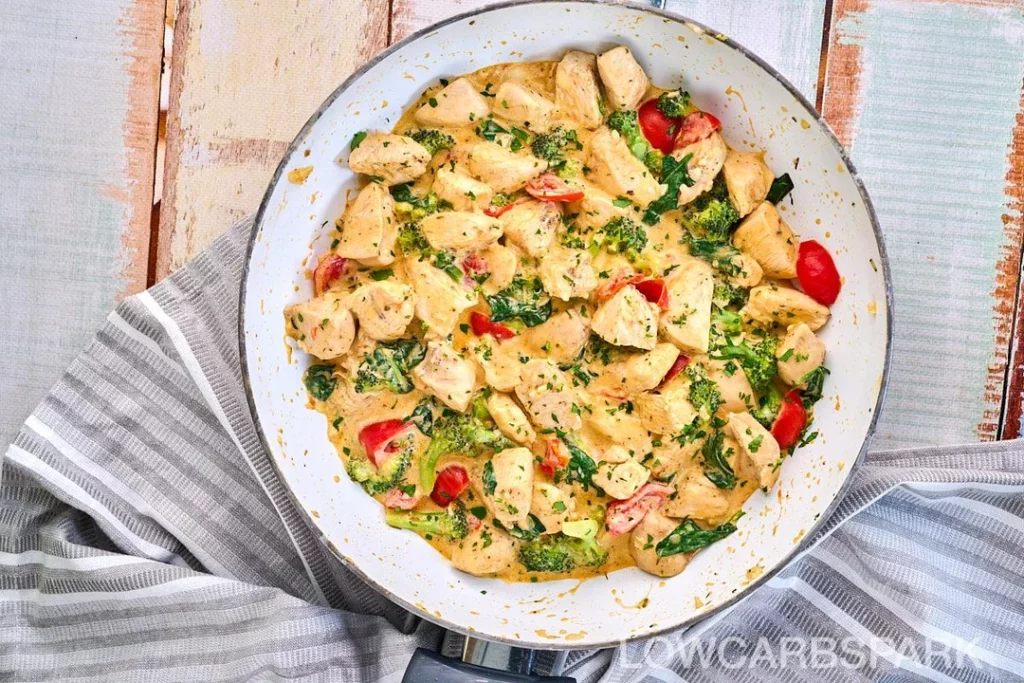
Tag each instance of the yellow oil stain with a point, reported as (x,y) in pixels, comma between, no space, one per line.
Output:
(805,124)
(837,403)
(337,479)
(873,308)
(544,634)
(841,465)
(697,602)
(799,535)
(315,514)
(576,636)
(299,175)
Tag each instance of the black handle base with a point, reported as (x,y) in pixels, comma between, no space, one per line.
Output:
(429,667)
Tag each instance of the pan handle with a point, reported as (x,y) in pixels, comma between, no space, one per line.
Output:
(429,667)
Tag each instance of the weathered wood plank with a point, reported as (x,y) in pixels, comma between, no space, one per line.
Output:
(79,83)
(1013,402)
(245,77)
(926,95)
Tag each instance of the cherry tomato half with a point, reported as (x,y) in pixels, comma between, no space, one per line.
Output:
(695,127)
(660,130)
(791,420)
(451,482)
(611,287)
(677,367)
(556,456)
(495,211)
(550,188)
(623,515)
(330,268)
(482,325)
(380,440)
(655,291)
(817,273)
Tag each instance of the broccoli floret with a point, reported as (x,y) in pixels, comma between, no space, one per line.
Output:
(726,322)
(411,240)
(552,146)
(758,360)
(624,236)
(704,393)
(412,207)
(675,104)
(627,125)
(433,140)
(388,366)
(451,523)
(768,407)
(726,294)
(568,169)
(561,553)
(471,433)
(711,216)
(389,475)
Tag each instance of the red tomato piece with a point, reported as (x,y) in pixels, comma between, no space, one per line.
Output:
(495,211)
(791,420)
(622,516)
(550,188)
(695,127)
(655,291)
(482,325)
(656,127)
(397,499)
(556,456)
(450,483)
(817,274)
(677,367)
(328,271)
(381,440)
(609,288)
(475,264)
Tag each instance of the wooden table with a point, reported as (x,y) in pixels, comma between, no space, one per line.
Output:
(926,94)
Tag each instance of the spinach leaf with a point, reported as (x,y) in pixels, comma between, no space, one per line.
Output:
(387,366)
(533,529)
(581,468)
(423,417)
(521,299)
(490,129)
(781,186)
(814,382)
(716,463)
(320,381)
(490,483)
(675,174)
(688,537)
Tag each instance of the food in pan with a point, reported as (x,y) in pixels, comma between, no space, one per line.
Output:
(563,327)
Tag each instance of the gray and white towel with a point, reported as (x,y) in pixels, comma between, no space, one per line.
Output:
(145,537)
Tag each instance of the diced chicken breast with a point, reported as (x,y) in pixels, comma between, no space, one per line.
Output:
(503,169)
(596,209)
(667,410)
(624,79)
(463,192)
(323,326)
(532,225)
(615,170)
(616,454)
(503,264)
(614,422)
(577,93)
(369,228)
(439,299)
(707,157)
(551,506)
(765,236)
(501,366)
(568,273)
(394,159)
(758,445)
(485,552)
(384,309)
(628,319)
(560,338)
(621,481)
(799,353)
(513,493)
(519,104)
(748,271)
(643,542)
(446,375)
(510,418)
(639,372)
(548,396)
(458,104)
(785,306)
(732,383)
(748,179)
(696,497)
(671,457)
(687,321)
(460,230)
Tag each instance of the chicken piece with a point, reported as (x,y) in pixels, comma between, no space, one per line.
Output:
(532,225)
(503,169)
(667,410)
(643,542)
(439,299)
(463,192)
(510,418)
(510,500)
(615,422)
(671,457)
(628,319)
(384,309)
(748,179)
(765,236)
(615,170)
(568,273)
(624,80)
(460,230)
(548,396)
(800,353)
(485,552)
(696,496)
(519,104)
(551,506)
(369,228)
(323,326)
(687,321)
(621,481)
(748,271)
(393,159)
(458,104)
(706,160)
(501,367)
(758,445)
(732,383)
(560,338)
(616,454)
(503,264)
(773,304)
(577,93)
(446,375)
(637,373)
(596,209)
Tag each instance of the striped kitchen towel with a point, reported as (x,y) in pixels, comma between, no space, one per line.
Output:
(144,537)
